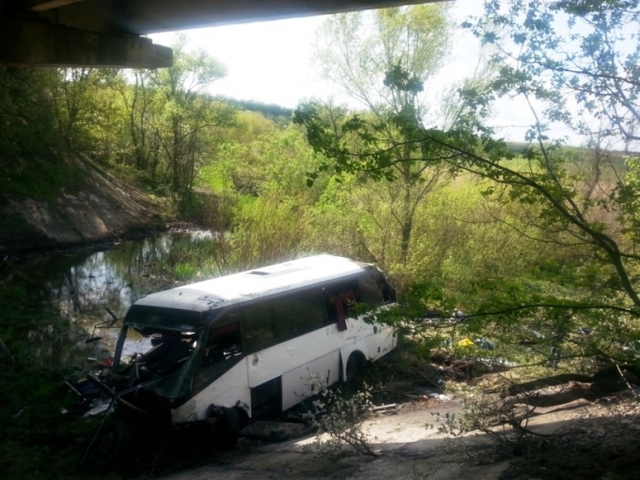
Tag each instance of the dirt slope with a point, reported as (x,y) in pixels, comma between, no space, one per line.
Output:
(101,208)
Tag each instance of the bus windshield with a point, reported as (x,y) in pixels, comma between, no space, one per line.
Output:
(154,352)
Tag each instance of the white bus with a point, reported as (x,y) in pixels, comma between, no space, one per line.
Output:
(244,346)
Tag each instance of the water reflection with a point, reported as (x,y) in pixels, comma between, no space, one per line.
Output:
(78,287)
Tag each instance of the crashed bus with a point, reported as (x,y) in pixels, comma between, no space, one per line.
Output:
(243,346)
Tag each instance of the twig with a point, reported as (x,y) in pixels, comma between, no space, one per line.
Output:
(428,380)
(626,382)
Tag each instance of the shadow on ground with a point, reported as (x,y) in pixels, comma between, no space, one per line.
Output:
(579,441)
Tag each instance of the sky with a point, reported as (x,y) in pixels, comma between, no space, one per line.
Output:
(271,62)
(267,61)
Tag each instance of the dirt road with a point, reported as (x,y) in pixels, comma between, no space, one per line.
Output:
(590,441)
(407,449)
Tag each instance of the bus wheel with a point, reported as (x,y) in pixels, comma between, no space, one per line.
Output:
(112,446)
(353,365)
(225,424)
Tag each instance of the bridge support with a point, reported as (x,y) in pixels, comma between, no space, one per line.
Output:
(28,43)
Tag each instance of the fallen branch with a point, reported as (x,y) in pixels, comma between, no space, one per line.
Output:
(384,407)
(553,381)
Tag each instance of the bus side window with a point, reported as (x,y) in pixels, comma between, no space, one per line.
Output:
(340,299)
(371,291)
(298,314)
(259,330)
(388,292)
(223,343)
(375,289)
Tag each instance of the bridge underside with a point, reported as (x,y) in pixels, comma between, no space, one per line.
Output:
(109,33)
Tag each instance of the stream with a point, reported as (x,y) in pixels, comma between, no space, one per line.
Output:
(51,304)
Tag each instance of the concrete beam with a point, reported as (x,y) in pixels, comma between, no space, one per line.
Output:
(43,6)
(27,43)
(151,16)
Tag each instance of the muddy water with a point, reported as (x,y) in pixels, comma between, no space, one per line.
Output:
(52,304)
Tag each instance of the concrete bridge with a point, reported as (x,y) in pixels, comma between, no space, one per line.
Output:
(109,33)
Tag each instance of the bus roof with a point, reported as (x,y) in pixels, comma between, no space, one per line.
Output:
(245,286)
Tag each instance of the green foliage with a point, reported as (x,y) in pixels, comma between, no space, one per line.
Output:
(553,51)
(29,160)
(381,59)
(340,419)
(535,242)
(266,231)
(261,183)
(186,118)
(583,278)
(27,118)
(52,175)
(357,50)
(279,115)
(40,440)
(161,123)
(555,246)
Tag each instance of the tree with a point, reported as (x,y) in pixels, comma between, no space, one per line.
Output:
(577,60)
(188,115)
(357,50)
(362,52)
(574,61)
(260,179)
(586,208)
(141,106)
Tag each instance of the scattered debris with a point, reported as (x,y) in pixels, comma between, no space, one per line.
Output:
(440,396)
(484,343)
(384,408)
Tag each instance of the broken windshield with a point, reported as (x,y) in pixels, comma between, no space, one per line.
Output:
(158,359)
(156,351)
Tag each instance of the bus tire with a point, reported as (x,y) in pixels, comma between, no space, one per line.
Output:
(225,428)
(112,446)
(353,365)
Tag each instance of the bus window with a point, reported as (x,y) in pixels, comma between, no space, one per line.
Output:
(340,300)
(370,290)
(298,314)
(388,292)
(260,331)
(224,345)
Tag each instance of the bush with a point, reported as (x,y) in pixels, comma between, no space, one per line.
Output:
(339,420)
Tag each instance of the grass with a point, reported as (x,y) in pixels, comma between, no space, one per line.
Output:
(40,178)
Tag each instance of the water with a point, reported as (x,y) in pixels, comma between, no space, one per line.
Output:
(52,304)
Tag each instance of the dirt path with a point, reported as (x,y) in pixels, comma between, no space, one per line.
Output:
(406,446)
(593,441)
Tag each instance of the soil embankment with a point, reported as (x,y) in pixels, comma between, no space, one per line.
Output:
(100,208)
